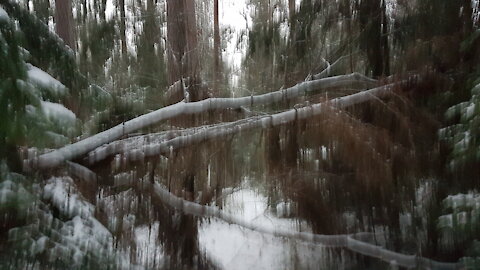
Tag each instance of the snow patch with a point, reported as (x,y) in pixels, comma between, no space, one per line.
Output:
(149,253)
(44,80)
(3,15)
(470,111)
(58,112)
(230,245)
(60,191)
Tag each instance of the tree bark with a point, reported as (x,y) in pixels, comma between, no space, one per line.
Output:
(216,48)
(121,6)
(374,38)
(182,45)
(64,22)
(290,61)
(84,11)
(264,122)
(384,41)
(42,9)
(103,8)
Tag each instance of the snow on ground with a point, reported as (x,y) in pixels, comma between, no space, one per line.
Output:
(59,192)
(82,234)
(149,252)
(233,247)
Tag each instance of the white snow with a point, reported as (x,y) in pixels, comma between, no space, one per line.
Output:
(476,89)
(110,9)
(59,192)
(233,247)
(69,152)
(8,191)
(149,253)
(445,221)
(6,195)
(266,227)
(470,111)
(58,112)
(236,15)
(44,80)
(57,139)
(40,244)
(81,172)
(3,15)
(124,178)
(82,235)
(470,200)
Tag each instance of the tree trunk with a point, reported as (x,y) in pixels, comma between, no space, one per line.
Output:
(216,48)
(75,150)
(290,61)
(175,39)
(42,10)
(476,15)
(103,8)
(121,5)
(182,45)
(84,11)
(384,41)
(374,39)
(64,22)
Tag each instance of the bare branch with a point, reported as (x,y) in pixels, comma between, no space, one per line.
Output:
(333,69)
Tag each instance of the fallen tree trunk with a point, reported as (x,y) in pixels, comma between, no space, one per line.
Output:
(80,148)
(352,242)
(222,130)
(132,148)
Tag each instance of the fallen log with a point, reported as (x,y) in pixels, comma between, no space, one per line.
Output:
(132,148)
(80,148)
(212,132)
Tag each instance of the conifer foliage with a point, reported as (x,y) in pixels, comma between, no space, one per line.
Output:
(31,114)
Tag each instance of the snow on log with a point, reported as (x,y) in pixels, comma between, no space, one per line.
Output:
(212,132)
(349,241)
(81,172)
(332,69)
(130,144)
(75,150)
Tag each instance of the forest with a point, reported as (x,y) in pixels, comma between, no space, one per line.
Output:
(239,134)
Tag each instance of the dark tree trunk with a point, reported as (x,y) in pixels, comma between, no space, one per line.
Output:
(181,38)
(216,47)
(64,22)
(291,149)
(384,41)
(99,7)
(374,38)
(42,9)
(290,61)
(121,5)
(85,11)
(182,45)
